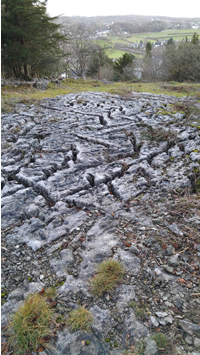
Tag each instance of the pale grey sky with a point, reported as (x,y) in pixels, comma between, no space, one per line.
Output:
(172,8)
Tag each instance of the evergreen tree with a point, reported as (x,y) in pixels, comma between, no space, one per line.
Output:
(29,37)
(148,49)
(124,67)
(123,61)
(181,62)
(195,38)
(170,41)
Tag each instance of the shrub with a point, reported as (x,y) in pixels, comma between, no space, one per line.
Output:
(80,319)
(109,273)
(29,327)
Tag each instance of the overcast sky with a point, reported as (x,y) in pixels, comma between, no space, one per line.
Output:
(172,8)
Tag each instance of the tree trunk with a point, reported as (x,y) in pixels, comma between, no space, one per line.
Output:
(25,70)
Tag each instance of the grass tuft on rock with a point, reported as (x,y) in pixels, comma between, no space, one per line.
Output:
(161,340)
(80,319)
(108,275)
(29,327)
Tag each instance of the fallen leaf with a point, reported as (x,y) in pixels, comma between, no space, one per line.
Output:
(127,244)
(46,338)
(42,291)
(52,304)
(40,349)
(175,310)
(182,281)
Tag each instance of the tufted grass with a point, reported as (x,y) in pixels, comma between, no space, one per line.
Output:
(80,319)
(29,327)
(108,275)
(161,340)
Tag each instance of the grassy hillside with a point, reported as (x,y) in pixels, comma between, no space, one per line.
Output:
(14,95)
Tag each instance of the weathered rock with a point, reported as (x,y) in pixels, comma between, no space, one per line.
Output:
(150,347)
(197,343)
(154,322)
(174,260)
(87,177)
(190,328)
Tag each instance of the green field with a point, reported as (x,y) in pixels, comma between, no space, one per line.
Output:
(116,53)
(163,35)
(125,41)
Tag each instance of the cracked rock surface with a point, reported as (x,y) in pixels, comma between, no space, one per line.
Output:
(87,177)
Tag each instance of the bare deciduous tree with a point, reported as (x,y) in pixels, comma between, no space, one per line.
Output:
(79,49)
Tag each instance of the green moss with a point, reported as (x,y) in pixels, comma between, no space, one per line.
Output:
(59,284)
(197,127)
(29,279)
(107,340)
(163,112)
(197,185)
(4,297)
(87,342)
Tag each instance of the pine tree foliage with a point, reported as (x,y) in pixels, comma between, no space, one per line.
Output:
(195,38)
(30,39)
(123,61)
(182,62)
